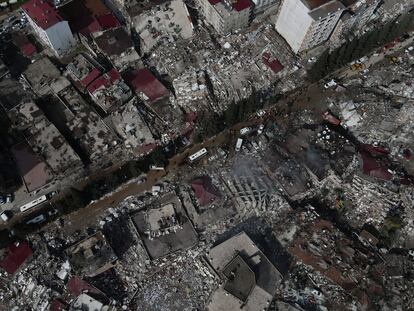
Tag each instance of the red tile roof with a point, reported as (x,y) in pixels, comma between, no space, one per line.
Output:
(271,62)
(241,5)
(17,254)
(374,162)
(108,21)
(144,149)
(28,49)
(57,305)
(42,13)
(104,81)
(86,25)
(90,77)
(83,16)
(204,190)
(77,286)
(144,81)
(191,116)
(214,2)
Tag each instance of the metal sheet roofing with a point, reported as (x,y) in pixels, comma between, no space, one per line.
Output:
(104,81)
(42,13)
(16,255)
(204,190)
(241,5)
(144,81)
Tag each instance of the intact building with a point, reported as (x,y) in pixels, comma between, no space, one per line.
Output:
(307,23)
(359,13)
(249,279)
(264,6)
(226,15)
(49,26)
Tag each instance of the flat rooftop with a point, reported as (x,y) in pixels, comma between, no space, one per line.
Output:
(313,4)
(239,254)
(327,9)
(160,245)
(114,42)
(33,170)
(44,77)
(170,20)
(240,278)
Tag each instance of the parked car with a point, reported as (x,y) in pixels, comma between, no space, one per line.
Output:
(5,216)
(245,130)
(260,113)
(260,129)
(330,84)
(9,198)
(239,144)
(156,168)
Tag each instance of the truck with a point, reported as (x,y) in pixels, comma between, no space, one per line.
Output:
(239,143)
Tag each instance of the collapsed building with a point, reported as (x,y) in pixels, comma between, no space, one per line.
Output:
(165,229)
(109,91)
(92,255)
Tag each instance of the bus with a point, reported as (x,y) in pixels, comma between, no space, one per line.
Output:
(33,203)
(199,154)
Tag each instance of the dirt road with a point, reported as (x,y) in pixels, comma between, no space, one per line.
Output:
(312,97)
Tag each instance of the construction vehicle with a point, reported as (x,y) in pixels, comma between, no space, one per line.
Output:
(357,66)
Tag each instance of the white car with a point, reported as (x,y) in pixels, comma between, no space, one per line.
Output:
(4,216)
(238,144)
(330,84)
(245,130)
(260,129)
(156,168)
(260,113)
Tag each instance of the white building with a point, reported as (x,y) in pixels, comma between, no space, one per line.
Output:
(307,23)
(226,15)
(49,26)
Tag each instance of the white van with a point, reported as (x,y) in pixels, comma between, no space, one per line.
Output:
(239,144)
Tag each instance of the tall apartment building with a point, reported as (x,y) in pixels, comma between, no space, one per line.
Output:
(307,23)
(264,6)
(49,25)
(360,13)
(226,15)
